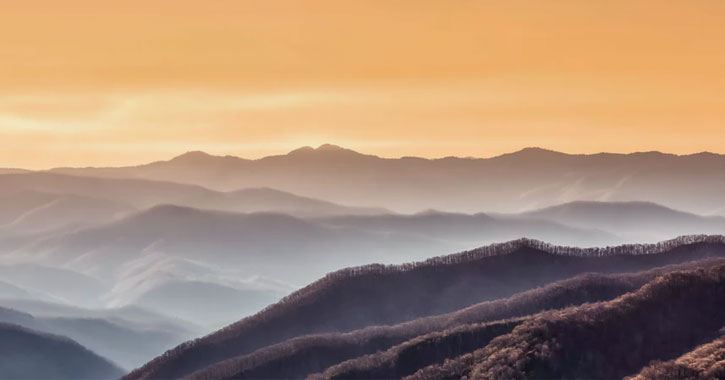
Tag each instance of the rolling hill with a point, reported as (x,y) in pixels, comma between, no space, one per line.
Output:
(633,221)
(63,211)
(477,229)
(27,354)
(54,284)
(8,290)
(25,192)
(271,245)
(127,344)
(206,303)
(126,336)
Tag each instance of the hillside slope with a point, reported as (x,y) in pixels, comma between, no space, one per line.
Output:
(704,362)
(423,339)
(26,354)
(663,320)
(118,335)
(302,356)
(379,295)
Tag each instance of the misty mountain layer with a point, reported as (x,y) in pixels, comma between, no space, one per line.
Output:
(527,179)
(27,354)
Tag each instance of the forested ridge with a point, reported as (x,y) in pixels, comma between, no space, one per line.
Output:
(704,362)
(298,357)
(302,356)
(375,295)
(663,320)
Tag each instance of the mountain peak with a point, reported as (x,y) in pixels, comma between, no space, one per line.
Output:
(198,157)
(537,150)
(533,153)
(304,149)
(323,149)
(194,155)
(330,147)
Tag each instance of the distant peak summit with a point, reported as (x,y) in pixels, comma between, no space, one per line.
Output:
(199,157)
(323,149)
(331,147)
(537,150)
(533,153)
(194,155)
(304,149)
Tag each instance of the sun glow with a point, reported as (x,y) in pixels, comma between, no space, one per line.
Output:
(84,84)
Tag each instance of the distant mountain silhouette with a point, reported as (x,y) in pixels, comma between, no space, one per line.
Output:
(259,243)
(380,295)
(27,354)
(58,211)
(8,290)
(129,316)
(29,212)
(633,221)
(274,245)
(128,344)
(52,283)
(527,179)
(12,171)
(204,302)
(477,229)
(82,198)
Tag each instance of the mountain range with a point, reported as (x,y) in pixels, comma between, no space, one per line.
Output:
(520,181)
(86,245)
(129,262)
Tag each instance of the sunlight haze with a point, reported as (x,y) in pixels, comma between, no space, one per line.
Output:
(94,83)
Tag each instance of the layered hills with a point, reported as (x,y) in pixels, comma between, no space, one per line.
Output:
(382,295)
(514,182)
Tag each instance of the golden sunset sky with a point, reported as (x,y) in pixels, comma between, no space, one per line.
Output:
(91,82)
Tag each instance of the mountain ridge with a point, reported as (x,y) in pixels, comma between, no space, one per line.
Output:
(29,354)
(430,287)
(511,182)
(530,150)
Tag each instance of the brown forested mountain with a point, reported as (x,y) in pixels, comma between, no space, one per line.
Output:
(379,295)
(465,329)
(704,362)
(663,320)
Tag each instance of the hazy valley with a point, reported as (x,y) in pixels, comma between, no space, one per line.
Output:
(127,263)
(362,189)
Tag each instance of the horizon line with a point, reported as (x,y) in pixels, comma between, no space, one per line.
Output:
(335,147)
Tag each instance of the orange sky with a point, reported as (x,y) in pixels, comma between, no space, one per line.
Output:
(88,82)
